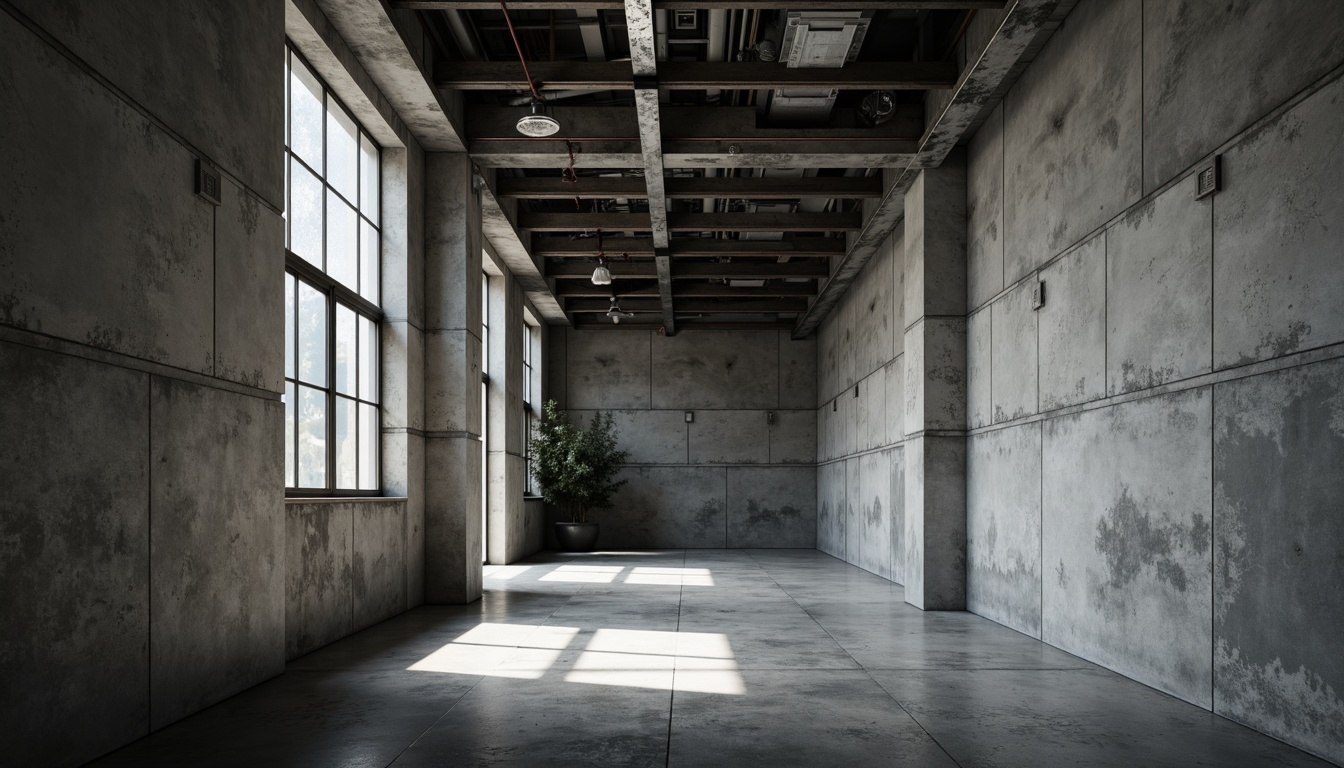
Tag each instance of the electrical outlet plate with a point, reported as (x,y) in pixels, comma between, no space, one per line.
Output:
(209,183)
(690,416)
(1209,178)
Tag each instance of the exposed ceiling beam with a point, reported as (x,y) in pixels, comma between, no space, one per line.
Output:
(699,187)
(708,306)
(511,247)
(616,5)
(1023,24)
(681,247)
(639,26)
(686,289)
(742,270)
(801,221)
(587,323)
(693,75)
(748,153)
(694,123)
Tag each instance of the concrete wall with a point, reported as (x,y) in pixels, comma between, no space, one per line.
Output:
(729,478)
(861,431)
(1154,460)
(346,568)
(140,369)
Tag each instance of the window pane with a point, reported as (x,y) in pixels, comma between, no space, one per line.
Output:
(289,434)
(305,114)
(305,214)
(345,444)
(368,447)
(368,179)
(289,326)
(368,360)
(368,261)
(342,151)
(345,350)
(342,241)
(312,438)
(312,335)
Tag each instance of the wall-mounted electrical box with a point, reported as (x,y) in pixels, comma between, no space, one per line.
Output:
(1209,178)
(769,417)
(690,416)
(209,184)
(1038,295)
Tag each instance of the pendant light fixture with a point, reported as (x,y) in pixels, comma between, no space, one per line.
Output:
(601,275)
(538,124)
(616,313)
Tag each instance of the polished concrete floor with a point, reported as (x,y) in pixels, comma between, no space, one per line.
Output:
(733,658)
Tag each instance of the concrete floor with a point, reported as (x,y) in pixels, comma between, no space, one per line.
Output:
(724,657)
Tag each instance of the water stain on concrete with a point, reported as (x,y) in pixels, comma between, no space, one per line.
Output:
(1130,540)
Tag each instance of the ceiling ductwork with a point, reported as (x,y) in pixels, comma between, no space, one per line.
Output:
(815,40)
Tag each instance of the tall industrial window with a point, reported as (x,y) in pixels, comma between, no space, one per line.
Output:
(528,399)
(485,413)
(332,179)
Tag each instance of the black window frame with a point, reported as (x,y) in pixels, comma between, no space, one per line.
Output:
(336,294)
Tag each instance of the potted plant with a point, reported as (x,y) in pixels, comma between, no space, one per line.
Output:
(574,468)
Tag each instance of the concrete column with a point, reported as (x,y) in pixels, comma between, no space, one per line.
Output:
(452,381)
(403,360)
(935,387)
(504,476)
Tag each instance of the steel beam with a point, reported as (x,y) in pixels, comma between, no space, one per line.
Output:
(741,270)
(692,76)
(801,221)
(681,247)
(740,188)
(703,306)
(616,5)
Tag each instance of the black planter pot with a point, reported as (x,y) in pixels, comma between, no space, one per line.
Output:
(576,537)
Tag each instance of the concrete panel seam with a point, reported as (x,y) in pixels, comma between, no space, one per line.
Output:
(1223,148)
(1247,371)
(60,346)
(99,78)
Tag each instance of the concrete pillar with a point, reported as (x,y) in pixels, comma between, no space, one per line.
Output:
(935,387)
(504,476)
(403,362)
(452,381)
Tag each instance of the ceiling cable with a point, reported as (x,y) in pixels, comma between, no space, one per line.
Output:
(536,94)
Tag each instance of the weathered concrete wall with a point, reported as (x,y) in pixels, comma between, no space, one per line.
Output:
(861,430)
(730,478)
(346,563)
(141,369)
(1154,460)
